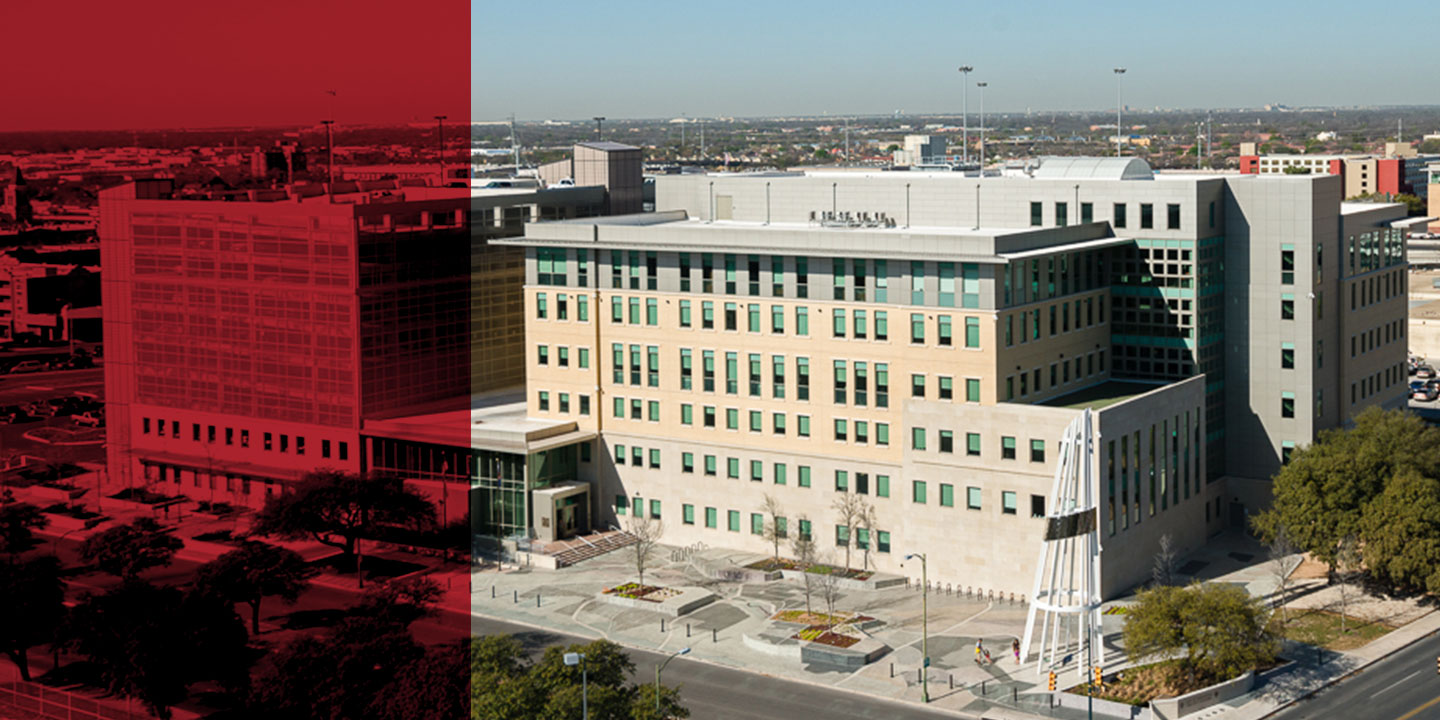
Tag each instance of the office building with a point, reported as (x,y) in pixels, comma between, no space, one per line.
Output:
(923,339)
(1399,170)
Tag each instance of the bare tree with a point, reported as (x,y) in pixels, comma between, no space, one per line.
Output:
(803,547)
(775,532)
(1347,573)
(647,532)
(849,508)
(868,521)
(1162,572)
(829,586)
(1285,558)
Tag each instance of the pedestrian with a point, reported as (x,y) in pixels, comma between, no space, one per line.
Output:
(979,648)
(988,661)
(1015,646)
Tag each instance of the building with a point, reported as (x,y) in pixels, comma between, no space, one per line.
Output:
(1399,170)
(613,166)
(15,202)
(923,339)
(249,336)
(44,290)
(920,150)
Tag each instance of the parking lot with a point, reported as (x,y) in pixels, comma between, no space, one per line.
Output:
(28,388)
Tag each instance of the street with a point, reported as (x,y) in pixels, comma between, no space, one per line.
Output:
(711,691)
(1404,686)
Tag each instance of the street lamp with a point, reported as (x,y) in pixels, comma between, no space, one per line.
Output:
(1119,71)
(599,127)
(440,130)
(573,659)
(661,666)
(982,86)
(925,616)
(965,111)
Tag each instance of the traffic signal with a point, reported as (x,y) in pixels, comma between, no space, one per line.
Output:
(1099,680)
(1052,682)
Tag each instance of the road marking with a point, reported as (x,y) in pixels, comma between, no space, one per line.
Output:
(1420,709)
(1407,677)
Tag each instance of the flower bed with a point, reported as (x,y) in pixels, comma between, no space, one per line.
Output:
(816,618)
(772,564)
(820,634)
(648,593)
(141,495)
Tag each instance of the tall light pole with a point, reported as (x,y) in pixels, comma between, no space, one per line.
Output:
(965,111)
(982,86)
(330,162)
(440,130)
(924,622)
(1119,72)
(599,127)
(573,659)
(661,666)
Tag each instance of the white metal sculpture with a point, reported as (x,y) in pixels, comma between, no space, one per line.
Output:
(1067,576)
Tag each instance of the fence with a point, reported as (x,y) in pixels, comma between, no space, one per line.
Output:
(60,705)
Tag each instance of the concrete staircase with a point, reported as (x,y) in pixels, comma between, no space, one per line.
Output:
(582,548)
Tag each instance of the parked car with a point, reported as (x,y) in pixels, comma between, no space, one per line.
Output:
(1426,393)
(1417,385)
(27,366)
(1425,372)
(90,419)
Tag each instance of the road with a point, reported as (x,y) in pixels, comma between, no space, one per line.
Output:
(1404,686)
(29,387)
(711,691)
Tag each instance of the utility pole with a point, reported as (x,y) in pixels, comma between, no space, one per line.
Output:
(329,164)
(702,139)
(1119,72)
(440,130)
(599,127)
(965,111)
(982,86)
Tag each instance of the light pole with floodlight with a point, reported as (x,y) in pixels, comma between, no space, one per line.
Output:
(982,86)
(1119,72)
(924,625)
(661,666)
(965,111)
(573,659)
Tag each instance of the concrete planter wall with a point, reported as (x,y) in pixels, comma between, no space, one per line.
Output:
(732,573)
(787,648)
(66,523)
(56,494)
(1175,707)
(854,657)
(689,600)
(1108,708)
(875,582)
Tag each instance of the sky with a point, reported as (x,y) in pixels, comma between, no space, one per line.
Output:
(631,58)
(104,65)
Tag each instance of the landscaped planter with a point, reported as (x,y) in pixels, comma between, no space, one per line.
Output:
(1101,706)
(69,523)
(1200,699)
(732,573)
(876,581)
(56,493)
(679,601)
(856,656)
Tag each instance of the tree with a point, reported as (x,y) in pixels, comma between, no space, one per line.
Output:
(1347,573)
(1321,493)
(1162,571)
(32,606)
(802,545)
(828,583)
(329,503)
(868,521)
(253,571)
(151,643)
(336,676)
(1217,629)
(646,531)
(505,685)
(774,530)
(435,686)
(849,509)
(1284,560)
(18,523)
(125,551)
(1401,533)
(1414,205)
(400,602)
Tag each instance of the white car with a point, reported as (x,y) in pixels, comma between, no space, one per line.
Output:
(90,419)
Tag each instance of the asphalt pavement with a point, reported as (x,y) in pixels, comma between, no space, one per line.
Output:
(1403,686)
(715,692)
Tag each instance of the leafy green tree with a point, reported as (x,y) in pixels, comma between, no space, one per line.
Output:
(1401,533)
(125,551)
(434,686)
(336,676)
(18,523)
(1217,629)
(32,606)
(1320,495)
(1414,206)
(506,686)
(254,570)
(329,503)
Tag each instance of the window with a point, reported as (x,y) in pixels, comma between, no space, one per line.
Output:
(541,306)
(1037,211)
(543,352)
(882,434)
(687,514)
(802,425)
(710,517)
(637,456)
(619,454)
(1287,404)
(917,327)
(882,385)
(634,310)
(752,312)
(841,434)
(756,378)
(882,541)
(841,385)
(972,332)
(757,471)
(777,377)
(1119,215)
(779,473)
(882,486)
(622,504)
(732,518)
(1147,216)
(882,325)
(972,444)
(687,462)
(584,358)
(947,441)
(1087,212)
(802,321)
(544,407)
(1287,356)
(1172,216)
(1037,451)
(1287,266)
(655,459)
(842,481)
(804,478)
(732,373)
(917,491)
(777,276)
(732,418)
(802,378)
(1062,214)
(732,468)
(584,404)
(685,313)
(1287,308)
(972,498)
(731,316)
(860,327)
(756,421)
(947,495)
(917,386)
(710,465)
(917,438)
(972,390)
(1037,506)
(777,319)
(943,331)
(1007,502)
(564,408)
(707,315)
(757,524)
(947,387)
(708,413)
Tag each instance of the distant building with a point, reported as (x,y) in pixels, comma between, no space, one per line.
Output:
(611,165)
(920,150)
(42,290)
(15,206)
(1400,170)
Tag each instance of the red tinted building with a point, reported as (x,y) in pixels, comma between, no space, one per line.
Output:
(250,334)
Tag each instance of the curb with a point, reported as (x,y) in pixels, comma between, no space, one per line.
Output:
(1353,671)
(692,658)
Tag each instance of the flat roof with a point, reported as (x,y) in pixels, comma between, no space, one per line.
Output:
(495,421)
(1103,395)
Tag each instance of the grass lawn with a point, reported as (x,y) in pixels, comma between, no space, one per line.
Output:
(1322,629)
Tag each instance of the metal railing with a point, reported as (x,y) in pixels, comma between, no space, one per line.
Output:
(61,705)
